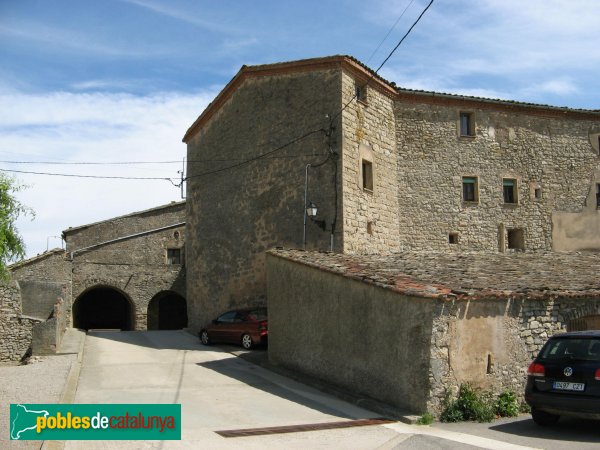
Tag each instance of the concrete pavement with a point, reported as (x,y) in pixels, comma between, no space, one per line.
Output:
(219,391)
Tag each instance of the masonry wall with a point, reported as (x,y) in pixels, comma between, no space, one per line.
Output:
(135,267)
(553,154)
(371,217)
(84,236)
(370,341)
(490,343)
(235,215)
(44,293)
(15,330)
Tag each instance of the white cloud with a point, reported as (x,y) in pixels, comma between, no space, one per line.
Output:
(509,43)
(98,127)
(184,16)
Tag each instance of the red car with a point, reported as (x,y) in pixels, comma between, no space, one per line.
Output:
(247,327)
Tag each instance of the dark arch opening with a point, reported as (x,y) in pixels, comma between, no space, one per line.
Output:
(167,311)
(103,308)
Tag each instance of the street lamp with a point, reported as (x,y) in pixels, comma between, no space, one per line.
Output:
(311,211)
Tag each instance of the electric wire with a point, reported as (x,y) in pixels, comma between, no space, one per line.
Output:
(389,32)
(375,72)
(114,177)
(240,164)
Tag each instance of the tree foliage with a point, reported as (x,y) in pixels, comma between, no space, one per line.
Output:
(12,247)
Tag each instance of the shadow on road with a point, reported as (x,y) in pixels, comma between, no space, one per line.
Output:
(159,339)
(274,384)
(567,429)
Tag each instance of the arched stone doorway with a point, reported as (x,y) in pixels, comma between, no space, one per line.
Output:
(167,311)
(103,308)
(584,323)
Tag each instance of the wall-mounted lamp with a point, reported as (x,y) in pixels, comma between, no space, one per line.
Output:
(311,212)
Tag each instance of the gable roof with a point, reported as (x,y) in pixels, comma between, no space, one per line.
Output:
(363,73)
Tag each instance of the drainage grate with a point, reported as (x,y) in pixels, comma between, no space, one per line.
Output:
(300,428)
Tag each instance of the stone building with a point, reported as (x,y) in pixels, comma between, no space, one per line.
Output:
(403,328)
(390,170)
(436,207)
(127,272)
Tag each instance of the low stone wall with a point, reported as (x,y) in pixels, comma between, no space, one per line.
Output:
(15,330)
(490,343)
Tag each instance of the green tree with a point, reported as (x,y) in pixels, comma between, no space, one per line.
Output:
(12,247)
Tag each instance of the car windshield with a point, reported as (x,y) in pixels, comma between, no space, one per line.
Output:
(584,349)
(257,314)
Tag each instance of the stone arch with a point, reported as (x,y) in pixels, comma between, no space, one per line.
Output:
(584,317)
(167,311)
(103,307)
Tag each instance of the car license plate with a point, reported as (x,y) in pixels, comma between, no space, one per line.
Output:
(566,386)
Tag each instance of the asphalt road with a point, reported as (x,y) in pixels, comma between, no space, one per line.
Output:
(219,391)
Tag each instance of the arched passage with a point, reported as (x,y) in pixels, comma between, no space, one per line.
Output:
(591,322)
(102,308)
(167,311)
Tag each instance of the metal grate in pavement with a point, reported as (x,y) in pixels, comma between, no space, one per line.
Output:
(300,428)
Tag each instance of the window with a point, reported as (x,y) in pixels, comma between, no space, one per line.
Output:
(509,190)
(367,175)
(173,256)
(370,228)
(537,193)
(470,189)
(598,196)
(516,239)
(467,127)
(361,93)
(228,317)
(452,238)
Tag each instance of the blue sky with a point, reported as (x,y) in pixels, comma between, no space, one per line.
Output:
(121,80)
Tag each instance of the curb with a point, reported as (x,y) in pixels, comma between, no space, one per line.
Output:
(68,393)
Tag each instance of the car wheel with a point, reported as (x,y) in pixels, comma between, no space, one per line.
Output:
(246,341)
(204,337)
(543,418)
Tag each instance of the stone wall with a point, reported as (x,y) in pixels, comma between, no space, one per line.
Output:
(371,218)
(370,341)
(235,215)
(552,154)
(136,267)
(15,330)
(490,343)
(118,227)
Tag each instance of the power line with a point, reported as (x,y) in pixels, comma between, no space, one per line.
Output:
(248,161)
(386,59)
(99,163)
(390,31)
(87,176)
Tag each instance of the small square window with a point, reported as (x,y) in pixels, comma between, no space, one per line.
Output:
(173,256)
(361,93)
(516,239)
(452,238)
(509,190)
(470,189)
(367,175)
(466,123)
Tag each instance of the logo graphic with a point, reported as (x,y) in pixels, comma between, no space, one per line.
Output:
(95,422)
(24,419)
(568,371)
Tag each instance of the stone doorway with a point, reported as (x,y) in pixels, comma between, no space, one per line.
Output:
(167,311)
(103,308)
(584,323)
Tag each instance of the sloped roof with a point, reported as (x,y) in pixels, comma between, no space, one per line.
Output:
(363,72)
(137,213)
(474,275)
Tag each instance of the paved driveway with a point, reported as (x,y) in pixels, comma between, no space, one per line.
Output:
(219,391)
